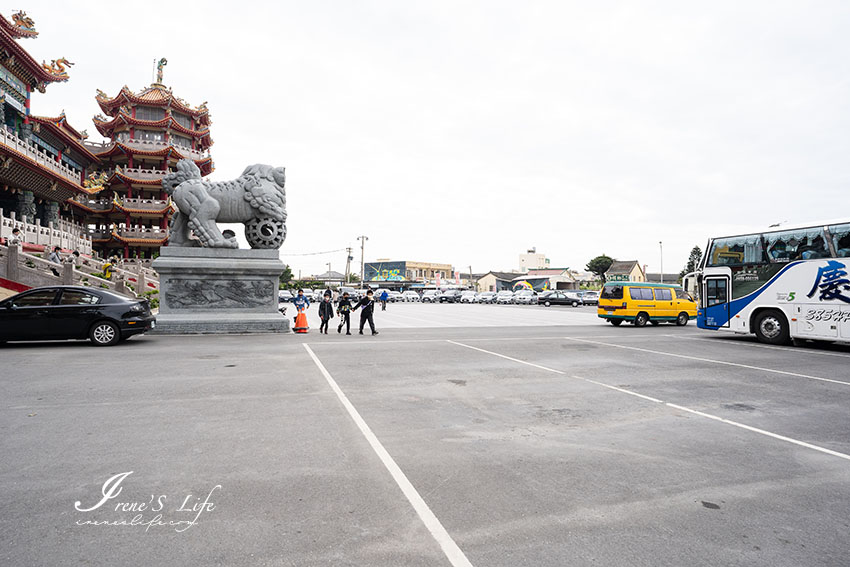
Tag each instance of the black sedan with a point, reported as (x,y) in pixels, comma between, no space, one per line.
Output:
(560,298)
(450,296)
(72,312)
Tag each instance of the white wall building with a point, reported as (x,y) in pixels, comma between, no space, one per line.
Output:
(531,260)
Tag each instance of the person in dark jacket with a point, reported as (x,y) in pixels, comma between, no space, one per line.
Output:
(326,312)
(368,305)
(343,309)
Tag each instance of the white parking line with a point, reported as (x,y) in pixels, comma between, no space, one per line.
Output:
(454,554)
(711,360)
(731,341)
(674,406)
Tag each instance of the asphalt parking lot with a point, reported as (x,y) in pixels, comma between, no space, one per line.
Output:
(461,435)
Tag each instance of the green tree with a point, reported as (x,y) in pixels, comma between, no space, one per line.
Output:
(599,265)
(285,277)
(353,278)
(693,262)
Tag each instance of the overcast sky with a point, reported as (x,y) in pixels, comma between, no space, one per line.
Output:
(468,132)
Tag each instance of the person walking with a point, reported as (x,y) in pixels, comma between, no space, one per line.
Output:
(368,305)
(55,258)
(326,312)
(384,297)
(343,309)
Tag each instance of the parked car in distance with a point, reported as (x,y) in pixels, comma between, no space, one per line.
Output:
(411,296)
(525,297)
(73,312)
(559,297)
(431,296)
(394,296)
(468,297)
(352,294)
(284,296)
(505,297)
(486,297)
(450,296)
(590,297)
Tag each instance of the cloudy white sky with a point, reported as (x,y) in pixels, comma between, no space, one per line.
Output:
(467,132)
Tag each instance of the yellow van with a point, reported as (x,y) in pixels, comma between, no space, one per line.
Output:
(642,303)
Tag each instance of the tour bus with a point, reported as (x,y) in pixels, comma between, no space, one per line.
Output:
(780,284)
(640,303)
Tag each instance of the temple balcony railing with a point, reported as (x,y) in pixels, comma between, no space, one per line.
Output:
(146,146)
(13,142)
(67,235)
(145,204)
(143,233)
(99,205)
(139,173)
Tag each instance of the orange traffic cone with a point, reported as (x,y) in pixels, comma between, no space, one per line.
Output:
(301,322)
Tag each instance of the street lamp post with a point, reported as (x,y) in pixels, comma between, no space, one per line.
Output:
(661,253)
(362,240)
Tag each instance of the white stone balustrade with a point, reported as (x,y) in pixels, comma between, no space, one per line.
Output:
(31,151)
(146,146)
(67,235)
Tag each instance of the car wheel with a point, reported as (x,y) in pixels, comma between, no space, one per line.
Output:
(104,333)
(682,319)
(641,319)
(616,322)
(547,303)
(772,327)
(574,303)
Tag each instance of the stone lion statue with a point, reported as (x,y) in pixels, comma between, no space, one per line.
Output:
(256,198)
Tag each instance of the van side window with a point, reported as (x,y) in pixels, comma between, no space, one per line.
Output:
(640,293)
(663,294)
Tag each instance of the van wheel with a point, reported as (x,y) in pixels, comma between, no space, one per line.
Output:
(641,319)
(616,322)
(772,327)
(547,303)
(682,319)
(104,333)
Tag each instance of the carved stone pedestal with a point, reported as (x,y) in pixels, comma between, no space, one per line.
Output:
(218,290)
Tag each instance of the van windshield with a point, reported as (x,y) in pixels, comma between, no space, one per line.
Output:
(612,292)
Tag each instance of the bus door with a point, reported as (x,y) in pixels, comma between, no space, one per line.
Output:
(716,294)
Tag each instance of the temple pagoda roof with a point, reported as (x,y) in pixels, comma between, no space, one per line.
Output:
(19,61)
(105,127)
(154,95)
(60,127)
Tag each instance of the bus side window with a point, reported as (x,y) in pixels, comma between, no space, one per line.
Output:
(841,239)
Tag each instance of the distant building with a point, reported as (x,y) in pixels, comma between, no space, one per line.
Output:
(496,281)
(531,260)
(545,279)
(657,278)
(625,271)
(330,278)
(407,271)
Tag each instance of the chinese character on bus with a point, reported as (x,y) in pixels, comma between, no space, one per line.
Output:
(832,282)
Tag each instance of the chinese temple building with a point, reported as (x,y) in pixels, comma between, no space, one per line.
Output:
(147,133)
(43,161)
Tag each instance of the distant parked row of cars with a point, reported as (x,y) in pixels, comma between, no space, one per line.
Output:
(504,297)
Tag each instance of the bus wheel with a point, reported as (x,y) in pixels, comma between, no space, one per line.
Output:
(616,322)
(641,319)
(772,327)
(682,319)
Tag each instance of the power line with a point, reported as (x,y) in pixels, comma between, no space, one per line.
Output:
(317,253)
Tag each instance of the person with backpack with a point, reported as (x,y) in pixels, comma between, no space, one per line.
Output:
(343,309)
(384,297)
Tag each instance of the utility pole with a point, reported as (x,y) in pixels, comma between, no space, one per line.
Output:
(348,259)
(329,267)
(362,240)
(470,278)
(661,252)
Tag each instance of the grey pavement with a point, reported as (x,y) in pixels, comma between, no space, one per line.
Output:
(555,441)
